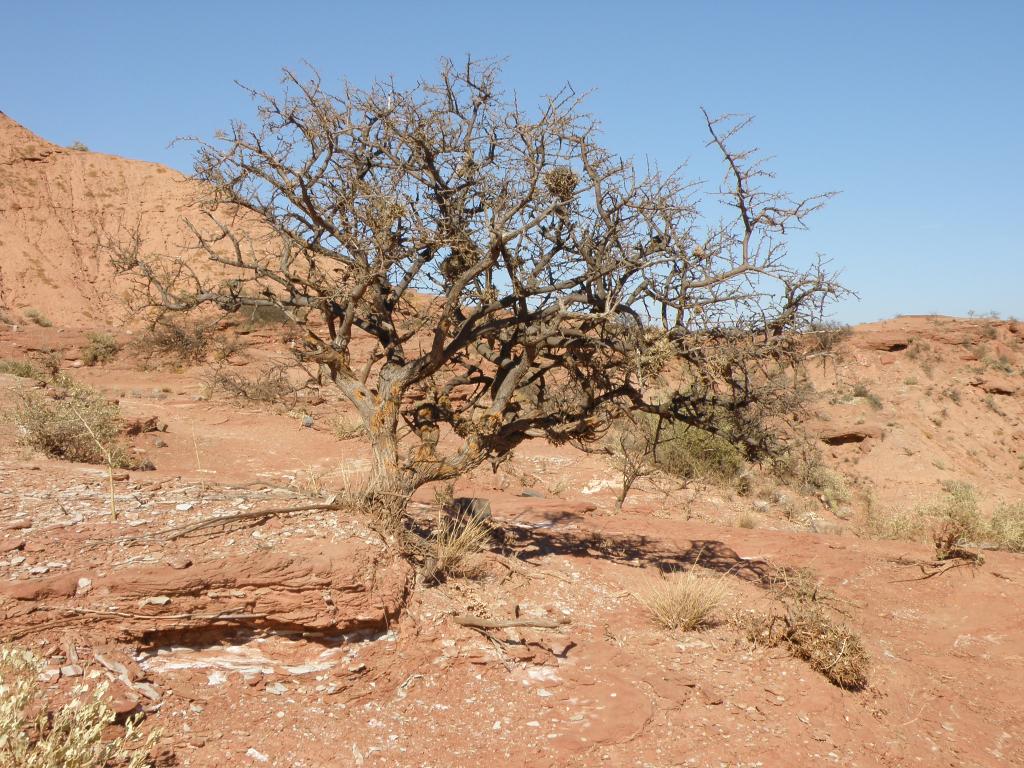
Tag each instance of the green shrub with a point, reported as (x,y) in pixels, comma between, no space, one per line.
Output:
(21,368)
(102,348)
(36,732)
(77,424)
(38,318)
(861,390)
(695,454)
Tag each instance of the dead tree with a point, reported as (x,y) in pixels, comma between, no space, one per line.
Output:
(504,275)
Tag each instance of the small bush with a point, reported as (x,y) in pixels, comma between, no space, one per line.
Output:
(77,424)
(181,343)
(957,523)
(696,454)
(38,318)
(37,733)
(102,348)
(21,368)
(1006,528)
(78,146)
(895,524)
(825,337)
(684,601)
(828,484)
(861,390)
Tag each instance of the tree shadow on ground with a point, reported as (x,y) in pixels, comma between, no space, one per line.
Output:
(529,543)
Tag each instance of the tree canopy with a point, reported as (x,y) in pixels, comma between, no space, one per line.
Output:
(511,277)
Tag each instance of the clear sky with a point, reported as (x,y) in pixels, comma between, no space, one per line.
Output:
(913,110)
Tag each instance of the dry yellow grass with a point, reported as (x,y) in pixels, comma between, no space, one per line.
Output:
(456,540)
(684,601)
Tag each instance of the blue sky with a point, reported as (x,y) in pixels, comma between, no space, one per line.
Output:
(913,110)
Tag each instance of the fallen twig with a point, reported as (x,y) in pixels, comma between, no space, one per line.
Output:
(475,622)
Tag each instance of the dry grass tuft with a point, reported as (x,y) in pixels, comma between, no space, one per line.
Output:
(36,734)
(957,521)
(456,542)
(684,601)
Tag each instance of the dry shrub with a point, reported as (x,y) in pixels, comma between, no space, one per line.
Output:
(178,343)
(34,733)
(1006,528)
(684,601)
(747,519)
(456,541)
(797,584)
(270,385)
(827,646)
(895,524)
(76,423)
(826,337)
(957,523)
(102,348)
(807,628)
(348,428)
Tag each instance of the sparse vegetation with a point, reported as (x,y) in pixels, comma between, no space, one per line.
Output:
(21,368)
(456,541)
(78,146)
(694,453)
(174,342)
(957,522)
(38,318)
(72,422)
(38,732)
(1006,528)
(808,629)
(102,348)
(826,645)
(270,385)
(684,601)
(862,391)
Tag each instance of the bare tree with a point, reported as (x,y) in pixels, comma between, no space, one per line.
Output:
(504,276)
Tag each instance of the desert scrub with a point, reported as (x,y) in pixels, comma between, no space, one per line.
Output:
(173,342)
(956,521)
(862,391)
(1006,528)
(74,423)
(35,732)
(102,348)
(826,645)
(683,601)
(21,368)
(696,454)
(269,385)
(38,318)
(807,628)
